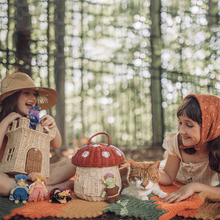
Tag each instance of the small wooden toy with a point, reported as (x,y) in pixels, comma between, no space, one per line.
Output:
(20,190)
(93,162)
(112,190)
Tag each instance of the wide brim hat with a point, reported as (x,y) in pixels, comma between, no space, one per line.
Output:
(18,81)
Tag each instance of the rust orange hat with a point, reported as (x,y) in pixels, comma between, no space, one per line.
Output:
(210,108)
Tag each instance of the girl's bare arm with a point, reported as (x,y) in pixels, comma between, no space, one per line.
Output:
(189,190)
(168,174)
(49,121)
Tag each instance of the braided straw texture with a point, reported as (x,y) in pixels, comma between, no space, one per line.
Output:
(27,150)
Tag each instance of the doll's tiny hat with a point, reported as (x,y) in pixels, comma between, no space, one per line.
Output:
(18,81)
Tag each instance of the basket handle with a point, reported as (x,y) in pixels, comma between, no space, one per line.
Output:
(98,134)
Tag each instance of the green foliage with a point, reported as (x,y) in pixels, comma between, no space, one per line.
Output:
(108,60)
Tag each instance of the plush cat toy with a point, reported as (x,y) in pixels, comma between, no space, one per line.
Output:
(140,179)
(34,117)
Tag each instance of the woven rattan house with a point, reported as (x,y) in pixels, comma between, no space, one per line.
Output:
(27,150)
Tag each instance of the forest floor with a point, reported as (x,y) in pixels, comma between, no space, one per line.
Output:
(138,155)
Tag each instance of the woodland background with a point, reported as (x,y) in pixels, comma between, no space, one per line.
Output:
(119,66)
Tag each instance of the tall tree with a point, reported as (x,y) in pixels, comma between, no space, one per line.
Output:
(156,91)
(60,72)
(212,15)
(22,37)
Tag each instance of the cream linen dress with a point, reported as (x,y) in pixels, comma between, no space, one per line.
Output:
(188,172)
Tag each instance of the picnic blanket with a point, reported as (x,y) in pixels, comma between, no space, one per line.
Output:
(200,206)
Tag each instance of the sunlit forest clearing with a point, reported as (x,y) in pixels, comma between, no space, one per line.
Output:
(118,66)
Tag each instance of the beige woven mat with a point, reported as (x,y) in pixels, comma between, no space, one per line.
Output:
(79,208)
(210,208)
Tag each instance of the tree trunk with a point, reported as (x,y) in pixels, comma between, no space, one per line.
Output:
(212,16)
(22,37)
(60,72)
(156,91)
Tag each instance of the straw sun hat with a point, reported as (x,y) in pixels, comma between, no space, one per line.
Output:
(18,81)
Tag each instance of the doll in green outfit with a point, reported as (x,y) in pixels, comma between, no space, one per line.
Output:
(111,190)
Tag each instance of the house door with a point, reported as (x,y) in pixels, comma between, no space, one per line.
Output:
(90,186)
(34,161)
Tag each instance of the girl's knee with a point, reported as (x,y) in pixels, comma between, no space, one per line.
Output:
(4,190)
(5,184)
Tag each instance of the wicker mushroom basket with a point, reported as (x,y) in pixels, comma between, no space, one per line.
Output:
(93,162)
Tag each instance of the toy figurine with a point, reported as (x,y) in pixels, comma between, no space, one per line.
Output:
(38,191)
(111,190)
(34,117)
(20,190)
(60,195)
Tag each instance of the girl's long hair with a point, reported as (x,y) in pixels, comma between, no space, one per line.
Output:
(9,105)
(190,107)
(214,154)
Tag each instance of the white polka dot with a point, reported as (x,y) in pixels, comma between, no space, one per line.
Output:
(118,152)
(95,145)
(105,154)
(85,154)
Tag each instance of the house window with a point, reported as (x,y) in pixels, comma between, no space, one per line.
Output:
(10,153)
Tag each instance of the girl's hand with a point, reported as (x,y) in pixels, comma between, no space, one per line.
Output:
(48,120)
(11,117)
(183,193)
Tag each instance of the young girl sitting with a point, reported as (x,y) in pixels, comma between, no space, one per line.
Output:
(18,95)
(194,153)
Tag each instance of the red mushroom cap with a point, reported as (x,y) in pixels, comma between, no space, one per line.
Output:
(98,155)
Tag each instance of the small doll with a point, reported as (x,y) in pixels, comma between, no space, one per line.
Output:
(111,190)
(34,117)
(60,195)
(20,190)
(38,191)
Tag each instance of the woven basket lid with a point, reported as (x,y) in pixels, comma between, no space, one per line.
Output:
(98,154)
